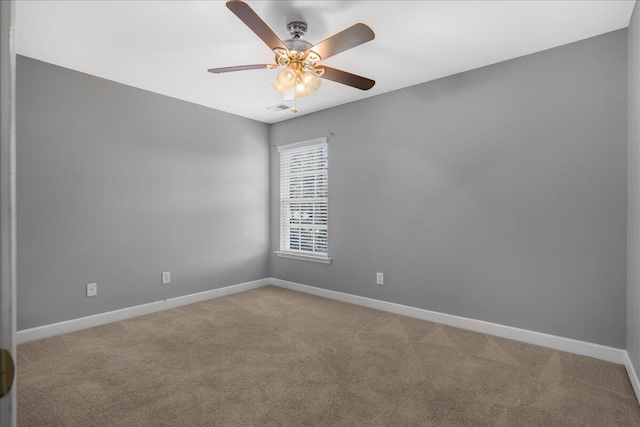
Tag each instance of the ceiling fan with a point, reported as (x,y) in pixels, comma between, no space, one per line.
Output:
(300,60)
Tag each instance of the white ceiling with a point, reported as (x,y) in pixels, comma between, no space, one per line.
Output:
(167,46)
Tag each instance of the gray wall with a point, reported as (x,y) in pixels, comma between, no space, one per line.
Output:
(116,185)
(633,170)
(497,194)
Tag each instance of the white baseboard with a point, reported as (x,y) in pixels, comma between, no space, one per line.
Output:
(569,345)
(633,376)
(129,312)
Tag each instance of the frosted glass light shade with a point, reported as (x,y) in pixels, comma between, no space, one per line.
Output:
(311,82)
(299,86)
(286,79)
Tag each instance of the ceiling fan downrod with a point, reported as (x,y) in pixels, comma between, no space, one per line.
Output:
(297,29)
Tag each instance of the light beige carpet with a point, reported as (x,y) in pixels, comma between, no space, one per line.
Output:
(277,357)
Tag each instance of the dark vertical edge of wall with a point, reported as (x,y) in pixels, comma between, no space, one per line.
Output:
(497,194)
(7,198)
(633,208)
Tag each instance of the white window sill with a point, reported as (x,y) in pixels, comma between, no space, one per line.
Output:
(303,257)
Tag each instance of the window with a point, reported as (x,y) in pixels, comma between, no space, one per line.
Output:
(303,201)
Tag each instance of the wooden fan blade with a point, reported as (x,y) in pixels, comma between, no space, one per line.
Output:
(257,25)
(344,40)
(240,68)
(348,79)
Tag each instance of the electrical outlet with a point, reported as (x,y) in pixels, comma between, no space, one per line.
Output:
(380,278)
(166,277)
(92,289)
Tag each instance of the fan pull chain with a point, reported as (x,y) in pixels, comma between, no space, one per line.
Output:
(294,109)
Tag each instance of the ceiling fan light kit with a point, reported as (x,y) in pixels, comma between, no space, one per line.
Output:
(301,73)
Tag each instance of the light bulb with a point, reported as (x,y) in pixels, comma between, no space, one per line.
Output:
(301,89)
(286,79)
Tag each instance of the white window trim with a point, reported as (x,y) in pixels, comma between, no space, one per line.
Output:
(303,257)
(302,144)
(319,258)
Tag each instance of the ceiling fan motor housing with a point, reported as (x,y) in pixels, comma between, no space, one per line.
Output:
(297,30)
(297,45)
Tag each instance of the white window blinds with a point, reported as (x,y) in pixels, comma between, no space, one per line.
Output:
(303,198)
